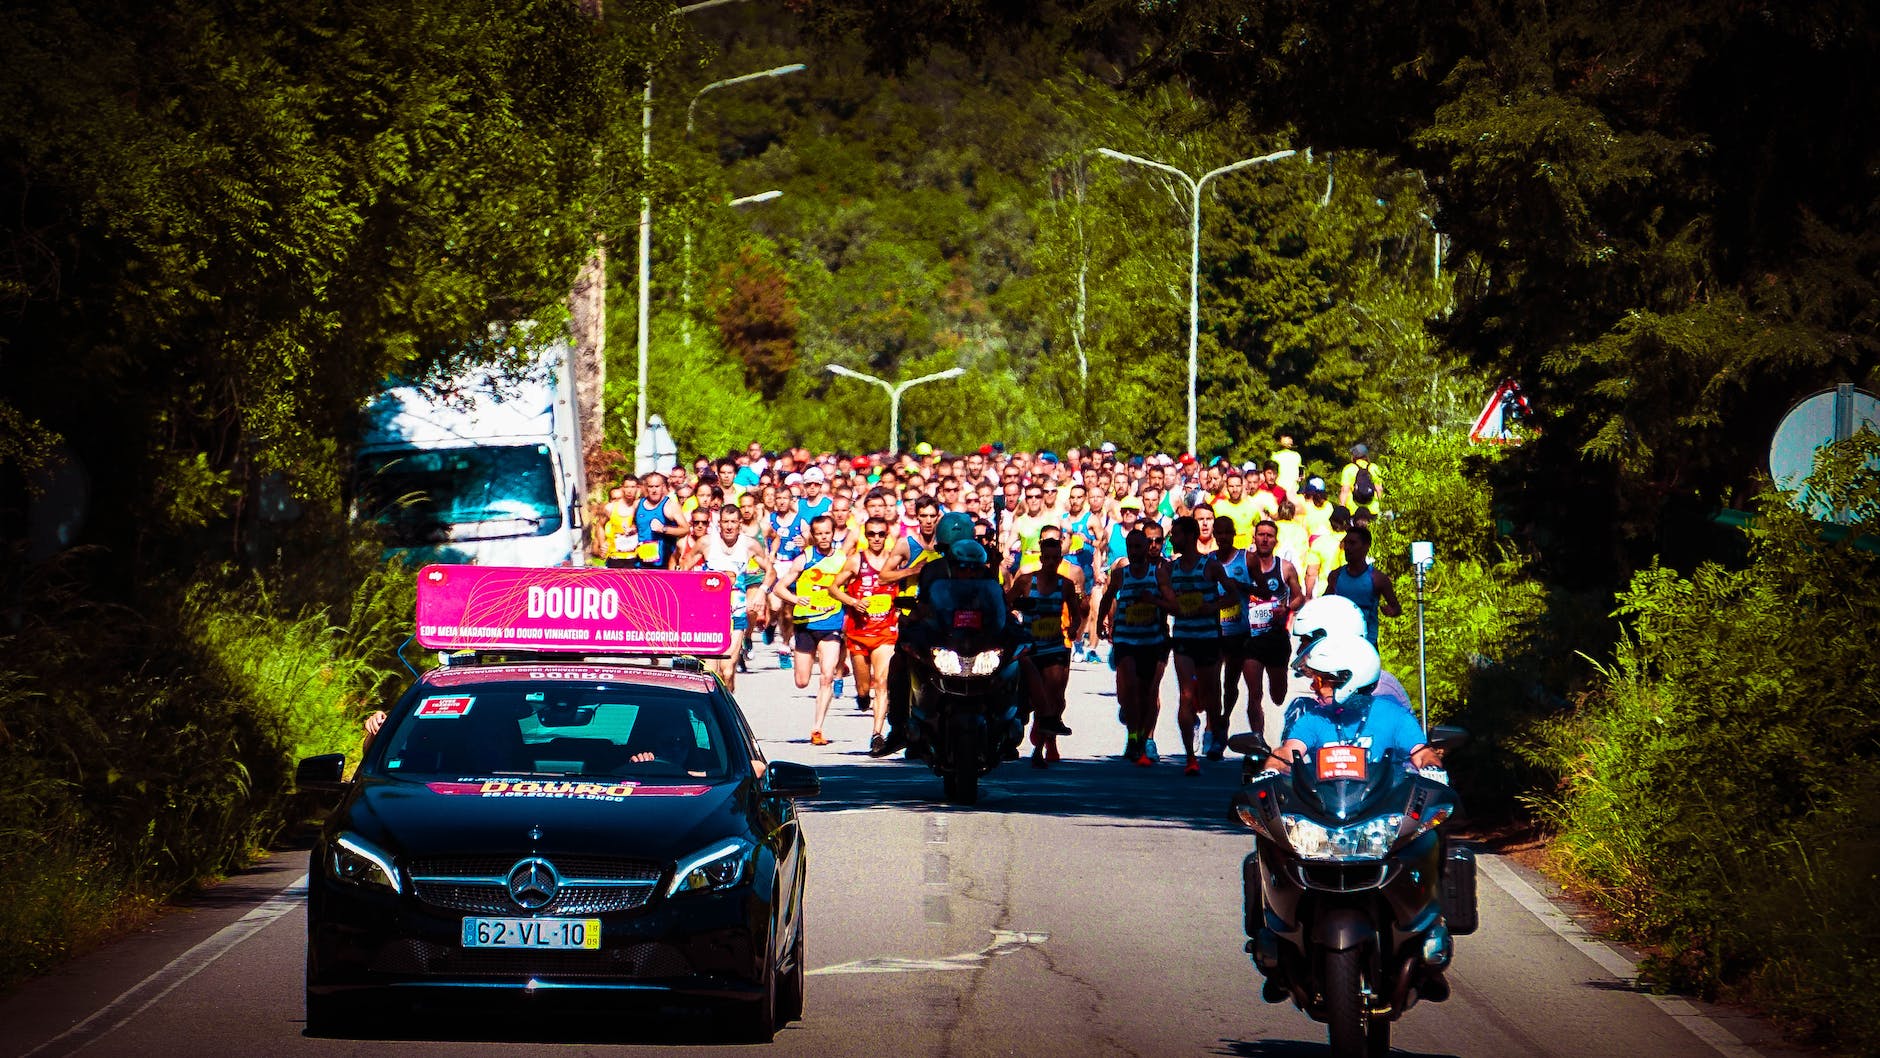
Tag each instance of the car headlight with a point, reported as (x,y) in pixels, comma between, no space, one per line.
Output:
(949,663)
(354,860)
(1369,840)
(722,866)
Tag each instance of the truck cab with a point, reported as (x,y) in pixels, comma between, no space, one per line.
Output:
(482,468)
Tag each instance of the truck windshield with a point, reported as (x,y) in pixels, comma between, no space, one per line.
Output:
(434,494)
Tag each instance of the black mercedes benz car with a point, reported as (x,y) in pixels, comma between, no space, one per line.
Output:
(608,831)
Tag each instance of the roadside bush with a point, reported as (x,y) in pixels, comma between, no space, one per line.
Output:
(1490,624)
(1716,790)
(142,752)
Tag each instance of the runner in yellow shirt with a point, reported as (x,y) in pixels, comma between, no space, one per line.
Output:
(1326,554)
(1288,462)
(1240,507)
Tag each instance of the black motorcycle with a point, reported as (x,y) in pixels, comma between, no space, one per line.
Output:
(1352,895)
(967,712)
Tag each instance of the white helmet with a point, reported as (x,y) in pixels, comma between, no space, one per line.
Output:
(1327,615)
(1350,661)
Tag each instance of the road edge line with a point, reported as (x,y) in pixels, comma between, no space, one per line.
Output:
(1681,1011)
(174,973)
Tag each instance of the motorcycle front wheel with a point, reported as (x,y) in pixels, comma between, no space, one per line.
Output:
(1350,1028)
(962,788)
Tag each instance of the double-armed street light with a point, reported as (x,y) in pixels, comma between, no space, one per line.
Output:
(1194,252)
(894,395)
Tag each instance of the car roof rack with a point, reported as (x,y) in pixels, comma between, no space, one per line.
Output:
(457,659)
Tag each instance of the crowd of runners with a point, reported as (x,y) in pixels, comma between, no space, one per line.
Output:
(1198,564)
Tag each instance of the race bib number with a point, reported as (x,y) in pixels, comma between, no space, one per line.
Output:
(1078,543)
(1260,615)
(624,543)
(1231,613)
(879,605)
(1192,603)
(1341,762)
(648,552)
(1139,613)
(1047,629)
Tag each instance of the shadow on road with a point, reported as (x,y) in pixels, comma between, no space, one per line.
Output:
(547,1021)
(1109,792)
(1296,1049)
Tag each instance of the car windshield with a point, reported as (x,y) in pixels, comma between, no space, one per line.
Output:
(618,731)
(473,493)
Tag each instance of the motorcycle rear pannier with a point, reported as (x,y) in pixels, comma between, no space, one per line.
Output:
(1459,891)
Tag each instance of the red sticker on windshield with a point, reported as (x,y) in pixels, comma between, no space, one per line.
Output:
(966,619)
(452,706)
(1341,762)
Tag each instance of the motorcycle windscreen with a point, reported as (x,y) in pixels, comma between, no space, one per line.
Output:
(968,607)
(1346,780)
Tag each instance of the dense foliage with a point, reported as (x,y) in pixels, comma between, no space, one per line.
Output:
(230,221)
(1729,748)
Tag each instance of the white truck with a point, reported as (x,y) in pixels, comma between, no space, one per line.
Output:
(483,468)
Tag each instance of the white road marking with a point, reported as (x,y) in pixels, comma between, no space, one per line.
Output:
(151,990)
(1720,1039)
(1003,941)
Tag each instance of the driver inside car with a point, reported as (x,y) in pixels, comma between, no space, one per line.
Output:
(1342,710)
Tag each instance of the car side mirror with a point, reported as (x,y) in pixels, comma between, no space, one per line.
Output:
(1445,737)
(784,779)
(1251,743)
(325,773)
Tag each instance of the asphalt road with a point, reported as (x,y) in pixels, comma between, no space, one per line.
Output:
(1089,909)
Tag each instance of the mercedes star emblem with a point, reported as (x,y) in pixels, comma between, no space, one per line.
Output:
(533,884)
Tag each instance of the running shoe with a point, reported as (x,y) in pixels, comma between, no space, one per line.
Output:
(1148,750)
(816,739)
(877,744)
(1193,767)
(1207,743)
(1132,748)
(1055,727)
(1145,761)
(1051,751)
(838,687)
(1037,757)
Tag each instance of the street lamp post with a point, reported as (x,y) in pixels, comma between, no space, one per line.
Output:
(894,395)
(1194,253)
(685,264)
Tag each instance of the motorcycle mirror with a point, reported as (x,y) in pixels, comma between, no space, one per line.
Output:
(1249,743)
(1445,737)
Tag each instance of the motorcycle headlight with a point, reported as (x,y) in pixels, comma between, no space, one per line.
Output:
(986,663)
(1369,840)
(948,662)
(355,861)
(722,866)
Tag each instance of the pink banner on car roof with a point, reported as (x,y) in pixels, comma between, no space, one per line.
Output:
(591,611)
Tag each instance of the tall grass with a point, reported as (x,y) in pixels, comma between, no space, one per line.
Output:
(143,751)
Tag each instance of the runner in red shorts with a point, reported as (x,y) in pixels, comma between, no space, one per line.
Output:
(872,621)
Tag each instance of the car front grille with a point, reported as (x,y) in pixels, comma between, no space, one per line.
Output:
(571,867)
(589,885)
(649,959)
